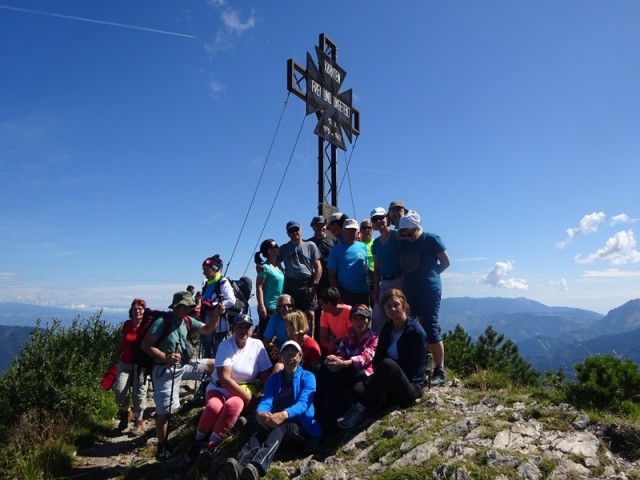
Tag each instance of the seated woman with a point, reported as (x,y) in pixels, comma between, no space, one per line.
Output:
(240,362)
(334,320)
(276,332)
(398,364)
(284,415)
(342,378)
(297,328)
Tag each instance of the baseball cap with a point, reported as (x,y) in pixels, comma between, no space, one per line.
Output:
(350,223)
(318,219)
(291,343)
(360,310)
(292,224)
(334,217)
(378,212)
(242,319)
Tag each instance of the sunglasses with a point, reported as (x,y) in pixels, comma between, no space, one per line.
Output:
(293,230)
(285,305)
(377,219)
(407,234)
(289,355)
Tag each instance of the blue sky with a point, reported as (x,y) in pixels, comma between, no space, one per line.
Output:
(133,135)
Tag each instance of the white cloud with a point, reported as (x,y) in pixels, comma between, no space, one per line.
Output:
(622,218)
(561,284)
(233,27)
(496,277)
(620,249)
(215,3)
(232,21)
(216,87)
(611,273)
(588,225)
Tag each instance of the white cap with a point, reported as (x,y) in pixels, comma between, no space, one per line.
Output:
(291,343)
(378,212)
(350,223)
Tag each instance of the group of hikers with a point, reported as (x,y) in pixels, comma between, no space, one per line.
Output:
(345,325)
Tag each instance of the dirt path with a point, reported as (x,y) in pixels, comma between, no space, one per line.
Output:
(112,454)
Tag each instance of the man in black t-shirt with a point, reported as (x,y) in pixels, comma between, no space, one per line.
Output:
(324,241)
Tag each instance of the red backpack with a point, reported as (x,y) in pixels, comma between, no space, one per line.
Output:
(140,357)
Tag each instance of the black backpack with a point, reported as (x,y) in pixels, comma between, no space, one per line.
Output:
(140,357)
(241,290)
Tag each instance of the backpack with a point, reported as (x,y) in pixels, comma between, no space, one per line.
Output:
(140,357)
(241,290)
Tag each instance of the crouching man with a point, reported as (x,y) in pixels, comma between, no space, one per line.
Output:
(166,342)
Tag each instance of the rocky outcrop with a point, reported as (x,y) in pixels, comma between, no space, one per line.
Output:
(454,433)
(450,433)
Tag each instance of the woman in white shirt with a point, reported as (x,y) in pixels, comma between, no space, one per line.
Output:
(240,362)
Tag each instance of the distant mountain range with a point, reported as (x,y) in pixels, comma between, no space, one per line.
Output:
(25,315)
(547,337)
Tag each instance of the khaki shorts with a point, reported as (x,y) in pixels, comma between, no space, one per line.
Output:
(164,376)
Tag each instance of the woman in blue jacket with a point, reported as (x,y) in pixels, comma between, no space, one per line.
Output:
(285,414)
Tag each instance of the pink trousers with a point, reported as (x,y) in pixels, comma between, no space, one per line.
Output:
(220,413)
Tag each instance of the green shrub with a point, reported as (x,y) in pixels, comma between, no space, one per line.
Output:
(606,383)
(50,398)
(59,370)
(491,352)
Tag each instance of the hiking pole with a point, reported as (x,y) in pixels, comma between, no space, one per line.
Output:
(173,381)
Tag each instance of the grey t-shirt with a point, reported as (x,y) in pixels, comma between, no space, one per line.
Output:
(299,259)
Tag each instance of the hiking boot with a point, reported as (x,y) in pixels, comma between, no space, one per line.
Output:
(194,451)
(250,472)
(351,418)
(205,456)
(438,379)
(162,452)
(138,428)
(232,470)
(240,425)
(123,420)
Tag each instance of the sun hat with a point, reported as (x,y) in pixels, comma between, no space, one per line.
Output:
(410,220)
(182,298)
(397,203)
(350,223)
(290,343)
(378,212)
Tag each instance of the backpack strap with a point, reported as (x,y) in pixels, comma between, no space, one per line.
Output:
(218,288)
(166,327)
